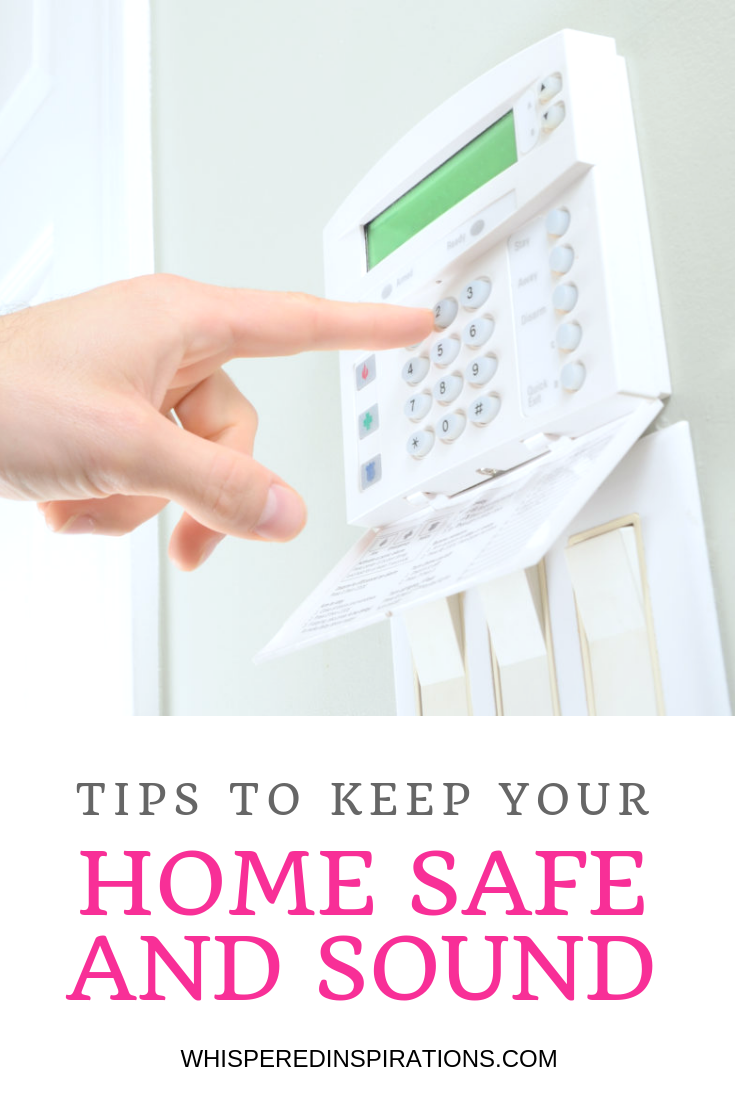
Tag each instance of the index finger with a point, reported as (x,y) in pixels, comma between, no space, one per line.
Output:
(280,323)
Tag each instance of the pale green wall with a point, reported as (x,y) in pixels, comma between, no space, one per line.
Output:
(265,117)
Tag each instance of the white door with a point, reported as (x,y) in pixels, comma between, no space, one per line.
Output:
(78,616)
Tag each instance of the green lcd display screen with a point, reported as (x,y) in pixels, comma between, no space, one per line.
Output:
(485,157)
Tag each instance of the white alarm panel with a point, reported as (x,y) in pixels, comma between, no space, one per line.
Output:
(516,212)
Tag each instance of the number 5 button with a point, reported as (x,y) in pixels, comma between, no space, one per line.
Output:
(445,350)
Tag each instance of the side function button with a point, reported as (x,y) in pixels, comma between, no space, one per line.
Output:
(364,372)
(445,312)
(549,87)
(561,259)
(480,371)
(565,297)
(417,406)
(477,332)
(475,294)
(415,370)
(568,336)
(420,443)
(553,117)
(448,388)
(370,472)
(557,222)
(484,410)
(445,351)
(368,422)
(451,426)
(573,376)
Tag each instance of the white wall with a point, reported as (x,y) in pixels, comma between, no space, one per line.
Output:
(265,117)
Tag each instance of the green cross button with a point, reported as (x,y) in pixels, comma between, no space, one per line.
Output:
(368,421)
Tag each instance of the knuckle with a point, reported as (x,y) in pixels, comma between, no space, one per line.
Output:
(229,497)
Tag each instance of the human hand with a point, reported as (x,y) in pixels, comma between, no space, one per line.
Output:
(88,386)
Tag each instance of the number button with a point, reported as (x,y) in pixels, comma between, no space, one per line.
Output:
(478,331)
(480,371)
(475,294)
(484,410)
(415,370)
(417,407)
(445,312)
(445,351)
(420,443)
(448,388)
(451,426)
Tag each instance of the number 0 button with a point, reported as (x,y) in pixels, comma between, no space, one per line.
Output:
(451,426)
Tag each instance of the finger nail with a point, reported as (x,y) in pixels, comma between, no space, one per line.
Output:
(209,547)
(74,526)
(284,514)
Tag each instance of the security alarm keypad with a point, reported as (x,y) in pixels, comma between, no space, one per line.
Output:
(516,213)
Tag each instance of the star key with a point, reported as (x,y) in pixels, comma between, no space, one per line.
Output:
(420,444)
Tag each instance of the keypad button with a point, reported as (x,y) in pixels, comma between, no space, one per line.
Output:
(565,297)
(475,294)
(368,422)
(557,222)
(561,259)
(445,312)
(549,87)
(553,117)
(450,427)
(484,410)
(417,406)
(420,443)
(568,336)
(477,331)
(364,372)
(481,370)
(445,351)
(448,388)
(415,370)
(370,472)
(573,376)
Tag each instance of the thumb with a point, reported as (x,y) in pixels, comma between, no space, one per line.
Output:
(222,489)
